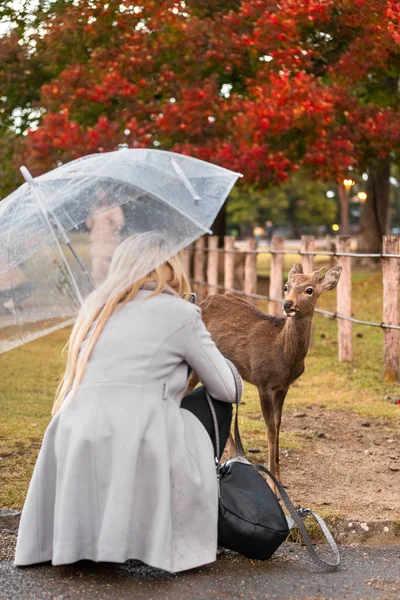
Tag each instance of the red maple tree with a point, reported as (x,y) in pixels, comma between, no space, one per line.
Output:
(261,88)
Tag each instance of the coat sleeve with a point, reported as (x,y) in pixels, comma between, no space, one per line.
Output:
(218,375)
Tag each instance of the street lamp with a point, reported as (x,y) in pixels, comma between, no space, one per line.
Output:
(348,184)
(362,196)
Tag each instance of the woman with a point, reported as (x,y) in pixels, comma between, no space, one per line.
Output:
(124,471)
(105,227)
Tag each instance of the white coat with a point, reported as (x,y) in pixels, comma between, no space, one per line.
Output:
(123,471)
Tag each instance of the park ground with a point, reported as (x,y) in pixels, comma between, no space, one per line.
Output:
(340,431)
(365,574)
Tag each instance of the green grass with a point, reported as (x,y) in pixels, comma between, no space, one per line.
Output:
(29,377)
(314,531)
(264,262)
(30,374)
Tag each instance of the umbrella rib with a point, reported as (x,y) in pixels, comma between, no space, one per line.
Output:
(181,174)
(29,179)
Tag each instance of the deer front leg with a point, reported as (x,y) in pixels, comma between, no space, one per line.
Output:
(267,407)
(278,400)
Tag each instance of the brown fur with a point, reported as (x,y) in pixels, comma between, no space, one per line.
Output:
(268,351)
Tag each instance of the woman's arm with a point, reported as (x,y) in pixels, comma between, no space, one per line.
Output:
(117,217)
(207,361)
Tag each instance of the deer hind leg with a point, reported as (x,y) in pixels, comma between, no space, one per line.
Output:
(230,446)
(278,400)
(191,383)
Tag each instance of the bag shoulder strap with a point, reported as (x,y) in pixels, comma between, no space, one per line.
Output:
(239,390)
(295,514)
(297,519)
(217,449)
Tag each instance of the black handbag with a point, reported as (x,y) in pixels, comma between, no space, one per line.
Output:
(251,520)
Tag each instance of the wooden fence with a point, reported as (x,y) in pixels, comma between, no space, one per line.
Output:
(203,264)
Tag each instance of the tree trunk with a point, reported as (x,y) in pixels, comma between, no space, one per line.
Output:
(374,218)
(296,234)
(219,226)
(292,216)
(344,209)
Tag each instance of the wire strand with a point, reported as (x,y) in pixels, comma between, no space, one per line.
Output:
(328,313)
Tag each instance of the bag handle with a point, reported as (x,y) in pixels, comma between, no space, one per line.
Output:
(297,516)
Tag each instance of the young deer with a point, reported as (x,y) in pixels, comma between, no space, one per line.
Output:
(268,351)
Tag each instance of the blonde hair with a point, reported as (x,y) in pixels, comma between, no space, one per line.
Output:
(130,263)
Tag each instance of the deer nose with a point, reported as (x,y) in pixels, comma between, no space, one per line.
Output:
(288,305)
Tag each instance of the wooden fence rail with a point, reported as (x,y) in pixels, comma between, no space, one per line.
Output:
(214,269)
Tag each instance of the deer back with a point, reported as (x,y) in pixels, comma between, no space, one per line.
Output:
(243,333)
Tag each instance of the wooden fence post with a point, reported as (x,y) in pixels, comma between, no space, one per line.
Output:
(229,262)
(276,275)
(250,269)
(186,259)
(212,264)
(390,308)
(307,244)
(345,340)
(199,267)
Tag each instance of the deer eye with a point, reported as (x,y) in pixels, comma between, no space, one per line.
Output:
(309,291)
(285,288)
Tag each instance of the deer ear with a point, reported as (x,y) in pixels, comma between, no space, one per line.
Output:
(330,279)
(297,268)
(318,275)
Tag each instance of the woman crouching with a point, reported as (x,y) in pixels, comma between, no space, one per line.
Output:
(126,469)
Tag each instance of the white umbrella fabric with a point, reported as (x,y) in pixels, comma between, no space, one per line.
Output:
(59,231)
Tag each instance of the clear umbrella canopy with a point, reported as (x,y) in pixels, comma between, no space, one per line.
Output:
(60,232)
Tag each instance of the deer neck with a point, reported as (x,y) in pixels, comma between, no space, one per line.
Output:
(296,336)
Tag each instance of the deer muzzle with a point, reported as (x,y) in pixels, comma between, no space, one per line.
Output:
(288,308)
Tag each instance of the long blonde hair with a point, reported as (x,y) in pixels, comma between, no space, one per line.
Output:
(128,273)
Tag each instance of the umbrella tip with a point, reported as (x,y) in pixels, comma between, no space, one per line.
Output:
(26,174)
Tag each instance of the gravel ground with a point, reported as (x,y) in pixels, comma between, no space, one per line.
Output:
(365,574)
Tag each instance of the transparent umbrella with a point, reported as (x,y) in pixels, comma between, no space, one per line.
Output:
(59,231)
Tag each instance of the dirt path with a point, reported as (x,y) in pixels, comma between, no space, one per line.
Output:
(353,470)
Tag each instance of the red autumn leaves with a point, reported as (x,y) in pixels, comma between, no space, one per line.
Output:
(304,84)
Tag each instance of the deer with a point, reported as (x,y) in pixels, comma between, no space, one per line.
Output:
(268,351)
